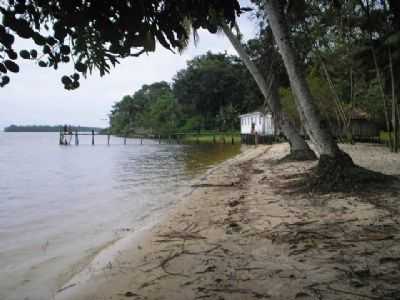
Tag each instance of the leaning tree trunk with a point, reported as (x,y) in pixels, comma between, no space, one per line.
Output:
(318,130)
(299,149)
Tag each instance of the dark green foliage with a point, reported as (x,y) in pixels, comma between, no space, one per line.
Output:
(3,68)
(33,53)
(75,76)
(341,36)
(25,54)
(42,64)
(209,94)
(66,80)
(4,81)
(11,66)
(70,82)
(65,50)
(11,54)
(212,85)
(99,33)
(80,67)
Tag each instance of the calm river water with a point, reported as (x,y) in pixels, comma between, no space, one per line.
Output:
(60,205)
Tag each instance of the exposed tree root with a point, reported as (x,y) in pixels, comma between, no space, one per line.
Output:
(299,155)
(340,174)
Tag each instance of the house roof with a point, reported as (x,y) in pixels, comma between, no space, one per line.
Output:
(252,114)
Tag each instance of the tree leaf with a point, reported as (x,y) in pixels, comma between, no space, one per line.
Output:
(11,66)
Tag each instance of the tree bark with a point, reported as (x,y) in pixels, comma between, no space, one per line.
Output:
(394,105)
(299,149)
(318,130)
(385,105)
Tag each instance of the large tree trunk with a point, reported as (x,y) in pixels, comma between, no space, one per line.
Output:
(299,149)
(316,129)
(394,105)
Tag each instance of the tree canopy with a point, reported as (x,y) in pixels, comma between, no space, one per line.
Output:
(97,34)
(208,94)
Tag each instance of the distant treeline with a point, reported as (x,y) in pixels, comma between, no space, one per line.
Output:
(45,128)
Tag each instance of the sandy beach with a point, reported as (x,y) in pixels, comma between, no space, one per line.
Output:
(242,233)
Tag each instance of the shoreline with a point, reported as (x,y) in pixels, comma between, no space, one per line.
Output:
(239,235)
(104,257)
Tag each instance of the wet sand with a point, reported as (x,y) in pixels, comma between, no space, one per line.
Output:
(243,234)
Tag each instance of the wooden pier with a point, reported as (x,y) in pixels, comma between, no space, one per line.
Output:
(255,139)
(72,137)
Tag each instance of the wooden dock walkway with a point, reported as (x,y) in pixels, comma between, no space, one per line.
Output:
(72,137)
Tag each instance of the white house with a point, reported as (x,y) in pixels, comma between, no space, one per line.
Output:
(258,122)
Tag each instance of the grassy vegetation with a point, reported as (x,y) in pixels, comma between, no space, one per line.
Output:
(384,136)
(208,138)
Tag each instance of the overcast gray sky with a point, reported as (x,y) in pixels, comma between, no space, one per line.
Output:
(36,96)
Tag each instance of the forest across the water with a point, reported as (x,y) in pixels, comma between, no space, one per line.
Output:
(46,128)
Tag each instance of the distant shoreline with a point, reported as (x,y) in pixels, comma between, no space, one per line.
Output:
(47,128)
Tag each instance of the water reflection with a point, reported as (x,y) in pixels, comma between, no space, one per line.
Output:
(199,157)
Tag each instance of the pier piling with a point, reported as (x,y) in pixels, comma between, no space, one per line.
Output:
(61,138)
(76,138)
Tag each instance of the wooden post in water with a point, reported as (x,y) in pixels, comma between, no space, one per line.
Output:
(141,140)
(214,141)
(92,137)
(61,138)
(159,139)
(233,140)
(108,139)
(223,139)
(76,137)
(125,140)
